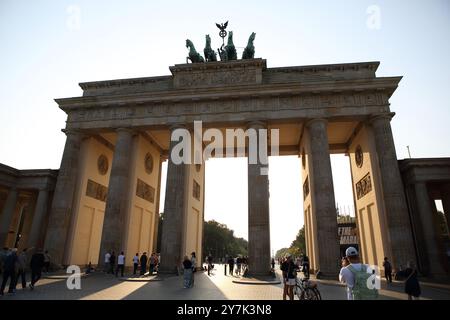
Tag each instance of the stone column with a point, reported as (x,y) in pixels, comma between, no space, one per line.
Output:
(323,203)
(397,216)
(7,215)
(38,218)
(114,223)
(445,197)
(258,211)
(61,210)
(430,236)
(174,213)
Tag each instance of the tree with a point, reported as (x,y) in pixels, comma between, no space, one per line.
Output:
(219,241)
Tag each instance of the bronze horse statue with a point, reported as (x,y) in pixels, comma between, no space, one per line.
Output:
(194,56)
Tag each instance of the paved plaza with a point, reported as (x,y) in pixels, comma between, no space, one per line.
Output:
(100,286)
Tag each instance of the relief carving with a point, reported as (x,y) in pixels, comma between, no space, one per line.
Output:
(363,186)
(145,191)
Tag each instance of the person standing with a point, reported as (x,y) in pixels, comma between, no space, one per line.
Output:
(194,268)
(143,262)
(356,276)
(187,274)
(231,265)
(9,272)
(36,265)
(152,263)
(107,258)
(46,261)
(22,267)
(387,270)
(273,264)
(288,268)
(3,255)
(135,263)
(112,262)
(238,265)
(305,265)
(120,264)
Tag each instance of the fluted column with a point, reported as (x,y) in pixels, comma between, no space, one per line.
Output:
(430,236)
(398,221)
(61,210)
(323,202)
(114,222)
(174,213)
(7,215)
(38,218)
(258,211)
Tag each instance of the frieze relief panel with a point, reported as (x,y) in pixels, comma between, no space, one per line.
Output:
(145,191)
(215,78)
(363,186)
(96,190)
(254,104)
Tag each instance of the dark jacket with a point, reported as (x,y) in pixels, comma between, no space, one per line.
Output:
(37,261)
(143,260)
(10,262)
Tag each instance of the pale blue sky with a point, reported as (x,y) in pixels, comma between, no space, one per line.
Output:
(47,47)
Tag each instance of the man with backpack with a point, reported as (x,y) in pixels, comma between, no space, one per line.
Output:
(358,277)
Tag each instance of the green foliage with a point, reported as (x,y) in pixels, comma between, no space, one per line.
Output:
(220,241)
(298,246)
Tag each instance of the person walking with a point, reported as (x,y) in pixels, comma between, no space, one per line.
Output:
(387,270)
(412,286)
(3,255)
(120,264)
(135,263)
(238,265)
(112,262)
(288,268)
(231,265)
(152,263)
(273,264)
(143,261)
(107,259)
(305,265)
(9,272)
(36,265)
(22,267)
(355,275)
(187,272)
(46,261)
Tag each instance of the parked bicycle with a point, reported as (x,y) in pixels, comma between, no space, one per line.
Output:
(305,289)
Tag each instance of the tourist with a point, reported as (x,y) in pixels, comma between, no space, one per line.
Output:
(209,260)
(9,272)
(112,262)
(135,263)
(46,261)
(194,268)
(231,265)
(107,259)
(305,265)
(187,272)
(3,255)
(412,286)
(387,270)
(288,268)
(238,265)
(157,261)
(356,277)
(143,262)
(36,265)
(22,267)
(120,264)
(152,263)
(273,264)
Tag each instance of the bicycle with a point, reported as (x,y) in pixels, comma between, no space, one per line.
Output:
(306,289)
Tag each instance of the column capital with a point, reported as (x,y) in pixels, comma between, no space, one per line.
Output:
(75,133)
(128,130)
(310,122)
(381,116)
(175,126)
(256,124)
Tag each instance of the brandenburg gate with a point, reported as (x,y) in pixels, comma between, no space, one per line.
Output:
(119,133)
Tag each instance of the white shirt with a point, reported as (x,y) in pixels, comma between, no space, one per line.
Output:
(136,259)
(107,256)
(347,277)
(121,259)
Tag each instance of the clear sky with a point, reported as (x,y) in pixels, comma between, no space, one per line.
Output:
(47,47)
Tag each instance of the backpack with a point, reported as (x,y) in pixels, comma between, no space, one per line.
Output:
(361,290)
